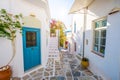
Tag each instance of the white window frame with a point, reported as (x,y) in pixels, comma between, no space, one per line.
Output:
(101,28)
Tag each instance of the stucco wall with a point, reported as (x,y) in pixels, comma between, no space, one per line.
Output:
(108,66)
(41,21)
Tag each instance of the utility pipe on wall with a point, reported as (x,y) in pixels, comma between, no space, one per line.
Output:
(84,28)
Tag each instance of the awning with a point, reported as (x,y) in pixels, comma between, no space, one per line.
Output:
(79,4)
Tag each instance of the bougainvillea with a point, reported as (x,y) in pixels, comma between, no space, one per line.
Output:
(58,25)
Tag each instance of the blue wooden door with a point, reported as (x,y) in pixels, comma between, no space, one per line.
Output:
(31,47)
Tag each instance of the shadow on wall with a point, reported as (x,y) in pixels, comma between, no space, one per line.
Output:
(101,6)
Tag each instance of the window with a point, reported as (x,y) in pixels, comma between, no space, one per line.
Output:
(74,27)
(99,38)
(30,39)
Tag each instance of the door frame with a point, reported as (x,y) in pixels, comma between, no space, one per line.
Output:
(24,43)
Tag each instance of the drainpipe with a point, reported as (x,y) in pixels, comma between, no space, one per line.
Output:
(84,27)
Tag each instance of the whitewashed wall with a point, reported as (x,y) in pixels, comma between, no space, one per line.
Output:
(78,18)
(26,8)
(108,66)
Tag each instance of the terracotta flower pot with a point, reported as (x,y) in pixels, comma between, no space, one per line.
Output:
(5,73)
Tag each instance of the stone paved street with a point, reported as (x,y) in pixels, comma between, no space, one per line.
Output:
(67,68)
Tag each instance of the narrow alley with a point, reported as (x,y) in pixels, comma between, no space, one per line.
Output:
(60,40)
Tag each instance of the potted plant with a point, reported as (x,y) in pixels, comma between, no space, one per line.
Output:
(5,73)
(85,62)
(9,25)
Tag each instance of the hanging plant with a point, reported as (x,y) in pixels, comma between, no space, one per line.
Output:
(9,25)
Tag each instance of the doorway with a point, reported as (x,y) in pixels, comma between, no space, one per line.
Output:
(31,47)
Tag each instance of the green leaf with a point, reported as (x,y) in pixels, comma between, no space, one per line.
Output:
(20,15)
(3,11)
(16,16)
(9,24)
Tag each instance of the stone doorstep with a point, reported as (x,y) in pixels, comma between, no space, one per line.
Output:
(33,73)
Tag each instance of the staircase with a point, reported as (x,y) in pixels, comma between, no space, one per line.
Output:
(53,48)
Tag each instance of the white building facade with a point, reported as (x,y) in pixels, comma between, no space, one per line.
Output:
(100,20)
(36,15)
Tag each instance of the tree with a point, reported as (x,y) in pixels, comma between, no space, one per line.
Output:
(62,36)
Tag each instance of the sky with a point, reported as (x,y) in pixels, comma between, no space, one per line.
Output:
(59,10)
